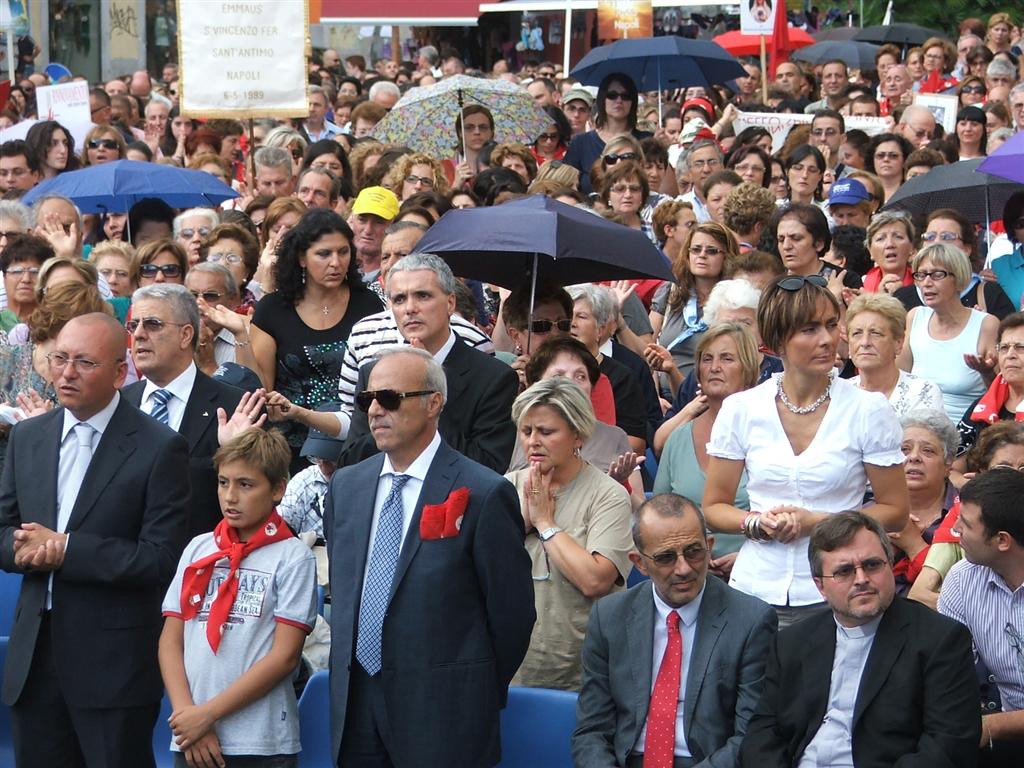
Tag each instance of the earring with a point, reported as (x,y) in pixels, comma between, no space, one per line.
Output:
(576,451)
(303,275)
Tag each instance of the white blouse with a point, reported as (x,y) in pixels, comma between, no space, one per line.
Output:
(912,393)
(858,428)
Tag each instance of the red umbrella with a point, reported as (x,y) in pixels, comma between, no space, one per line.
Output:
(739,44)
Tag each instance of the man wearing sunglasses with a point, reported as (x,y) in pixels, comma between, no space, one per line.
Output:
(672,668)
(165,336)
(876,680)
(432,600)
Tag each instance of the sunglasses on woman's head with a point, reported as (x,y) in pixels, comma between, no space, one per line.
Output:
(169,270)
(796,282)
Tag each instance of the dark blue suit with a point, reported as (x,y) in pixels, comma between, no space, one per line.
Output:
(459,618)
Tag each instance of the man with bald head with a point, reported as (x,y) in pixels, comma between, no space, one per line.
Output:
(93,508)
(141,85)
(917,125)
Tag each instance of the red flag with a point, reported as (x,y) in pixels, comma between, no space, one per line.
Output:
(5,93)
(778,46)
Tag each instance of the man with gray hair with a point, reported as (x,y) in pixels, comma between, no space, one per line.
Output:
(274,172)
(317,126)
(701,159)
(431,586)
(1000,72)
(427,60)
(385,93)
(191,228)
(165,335)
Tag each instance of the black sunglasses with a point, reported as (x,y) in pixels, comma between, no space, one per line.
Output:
(389,399)
(209,296)
(545,326)
(612,159)
(105,143)
(617,96)
(796,282)
(169,270)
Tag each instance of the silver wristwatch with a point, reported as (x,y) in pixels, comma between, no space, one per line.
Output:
(548,533)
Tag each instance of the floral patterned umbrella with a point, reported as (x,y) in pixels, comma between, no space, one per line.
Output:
(424,118)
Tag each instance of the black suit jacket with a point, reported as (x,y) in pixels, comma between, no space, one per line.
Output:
(459,619)
(917,704)
(477,419)
(127,531)
(199,428)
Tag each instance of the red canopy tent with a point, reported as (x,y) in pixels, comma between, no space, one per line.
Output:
(739,44)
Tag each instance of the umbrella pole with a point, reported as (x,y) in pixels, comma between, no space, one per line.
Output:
(988,227)
(533,294)
(660,121)
(462,125)
(252,153)
(764,73)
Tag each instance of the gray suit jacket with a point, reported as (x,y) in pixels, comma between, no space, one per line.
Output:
(735,633)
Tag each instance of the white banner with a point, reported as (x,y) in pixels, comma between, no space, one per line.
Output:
(757,17)
(243,58)
(65,103)
(779,123)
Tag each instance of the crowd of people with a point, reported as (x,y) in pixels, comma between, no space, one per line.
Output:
(763,514)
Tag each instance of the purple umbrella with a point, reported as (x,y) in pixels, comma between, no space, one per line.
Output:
(1007,162)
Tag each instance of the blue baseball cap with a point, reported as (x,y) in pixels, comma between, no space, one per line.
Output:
(848,192)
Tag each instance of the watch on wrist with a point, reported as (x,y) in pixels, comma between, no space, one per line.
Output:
(548,533)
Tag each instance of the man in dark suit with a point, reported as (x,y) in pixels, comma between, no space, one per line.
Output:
(876,681)
(93,506)
(710,665)
(433,600)
(477,422)
(165,333)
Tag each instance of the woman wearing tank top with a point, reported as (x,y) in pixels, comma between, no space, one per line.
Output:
(949,344)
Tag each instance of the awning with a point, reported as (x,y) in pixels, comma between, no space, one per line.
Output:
(409,13)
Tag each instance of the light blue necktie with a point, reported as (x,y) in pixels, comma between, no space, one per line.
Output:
(159,408)
(387,544)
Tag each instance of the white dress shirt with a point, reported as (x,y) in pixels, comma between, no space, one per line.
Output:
(832,745)
(224,347)
(688,631)
(417,472)
(858,428)
(180,389)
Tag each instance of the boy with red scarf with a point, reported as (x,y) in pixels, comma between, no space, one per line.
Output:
(240,606)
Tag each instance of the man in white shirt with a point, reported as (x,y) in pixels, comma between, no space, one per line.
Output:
(647,698)
(878,680)
(317,126)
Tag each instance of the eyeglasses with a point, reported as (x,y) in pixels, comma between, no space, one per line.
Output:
(426,181)
(693,554)
(846,573)
(710,250)
(120,274)
(149,324)
(169,270)
(209,296)
(188,233)
(389,399)
(613,158)
(621,189)
(545,326)
(796,282)
(977,89)
(819,132)
(230,258)
(296,154)
(548,137)
(478,128)
(888,155)
(1006,347)
(19,271)
(946,237)
(1008,466)
(59,361)
(1015,642)
(617,96)
(105,143)
(935,274)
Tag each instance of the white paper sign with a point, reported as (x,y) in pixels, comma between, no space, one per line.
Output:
(65,103)
(779,123)
(757,17)
(243,58)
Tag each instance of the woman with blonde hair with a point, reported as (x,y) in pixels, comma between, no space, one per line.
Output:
(560,173)
(414,173)
(677,310)
(577,528)
(290,140)
(113,260)
(620,149)
(363,158)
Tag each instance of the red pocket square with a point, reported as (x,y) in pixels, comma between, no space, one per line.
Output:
(442,521)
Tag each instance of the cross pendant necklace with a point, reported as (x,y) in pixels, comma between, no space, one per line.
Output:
(326,310)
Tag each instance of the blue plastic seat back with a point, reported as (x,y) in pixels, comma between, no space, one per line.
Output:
(315,723)
(10,588)
(536,728)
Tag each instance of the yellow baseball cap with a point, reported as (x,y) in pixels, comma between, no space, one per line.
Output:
(380,201)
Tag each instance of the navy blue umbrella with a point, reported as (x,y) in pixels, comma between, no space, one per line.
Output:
(537,239)
(660,63)
(855,54)
(116,187)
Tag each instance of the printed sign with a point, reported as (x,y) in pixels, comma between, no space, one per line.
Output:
(65,103)
(779,123)
(618,19)
(757,17)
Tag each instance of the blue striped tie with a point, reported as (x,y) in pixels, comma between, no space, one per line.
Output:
(158,410)
(387,543)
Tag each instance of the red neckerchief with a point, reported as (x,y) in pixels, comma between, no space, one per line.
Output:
(944,533)
(873,279)
(992,402)
(936,83)
(197,576)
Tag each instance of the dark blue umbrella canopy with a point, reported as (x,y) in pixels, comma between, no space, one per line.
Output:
(116,187)
(660,63)
(855,54)
(569,245)
(961,186)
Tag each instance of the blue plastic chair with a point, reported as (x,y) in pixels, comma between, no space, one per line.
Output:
(162,736)
(6,738)
(536,728)
(315,722)
(651,464)
(10,588)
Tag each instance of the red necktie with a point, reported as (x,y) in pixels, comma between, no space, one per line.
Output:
(660,742)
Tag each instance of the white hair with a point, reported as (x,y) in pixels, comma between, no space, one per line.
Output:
(600,299)
(730,294)
(938,423)
(208,213)
(382,86)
